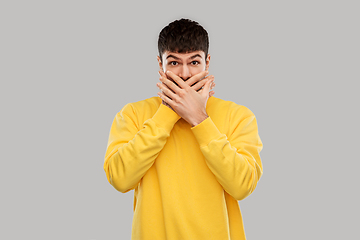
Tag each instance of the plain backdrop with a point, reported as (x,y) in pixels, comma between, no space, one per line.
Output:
(67,67)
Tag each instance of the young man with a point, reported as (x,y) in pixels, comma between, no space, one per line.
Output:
(188,156)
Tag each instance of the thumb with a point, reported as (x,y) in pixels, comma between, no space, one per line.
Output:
(206,88)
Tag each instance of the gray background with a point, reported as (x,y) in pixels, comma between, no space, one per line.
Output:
(67,67)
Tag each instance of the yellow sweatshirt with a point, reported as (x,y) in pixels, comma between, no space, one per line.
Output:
(187,180)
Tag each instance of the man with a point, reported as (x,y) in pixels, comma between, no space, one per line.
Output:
(188,156)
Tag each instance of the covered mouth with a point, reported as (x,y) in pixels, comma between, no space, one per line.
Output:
(199,88)
(191,85)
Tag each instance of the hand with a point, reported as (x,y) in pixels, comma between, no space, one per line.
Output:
(183,97)
(197,87)
(191,82)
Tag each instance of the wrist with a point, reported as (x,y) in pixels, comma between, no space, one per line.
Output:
(163,102)
(199,119)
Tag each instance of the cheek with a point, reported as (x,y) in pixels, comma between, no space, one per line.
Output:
(197,69)
(168,67)
(175,69)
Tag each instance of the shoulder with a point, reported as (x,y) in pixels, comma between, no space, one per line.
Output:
(153,102)
(234,120)
(229,108)
(146,107)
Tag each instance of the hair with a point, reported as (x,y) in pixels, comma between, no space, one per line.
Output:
(183,36)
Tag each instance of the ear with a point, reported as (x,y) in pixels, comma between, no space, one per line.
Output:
(160,63)
(207,62)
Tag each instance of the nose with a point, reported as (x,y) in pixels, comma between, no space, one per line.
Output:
(185,72)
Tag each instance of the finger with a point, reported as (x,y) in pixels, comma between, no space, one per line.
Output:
(166,90)
(162,74)
(165,98)
(202,82)
(206,88)
(165,80)
(203,89)
(177,80)
(197,77)
(170,84)
(211,93)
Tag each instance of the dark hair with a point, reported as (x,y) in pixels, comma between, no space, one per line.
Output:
(183,36)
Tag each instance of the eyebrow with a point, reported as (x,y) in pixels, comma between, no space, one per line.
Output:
(192,57)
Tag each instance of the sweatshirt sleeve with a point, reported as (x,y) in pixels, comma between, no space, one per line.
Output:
(233,159)
(131,149)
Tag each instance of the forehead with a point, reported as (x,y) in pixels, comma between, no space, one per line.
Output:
(183,56)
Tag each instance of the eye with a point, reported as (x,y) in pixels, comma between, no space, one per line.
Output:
(194,63)
(173,63)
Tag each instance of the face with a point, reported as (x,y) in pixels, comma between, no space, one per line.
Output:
(185,65)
